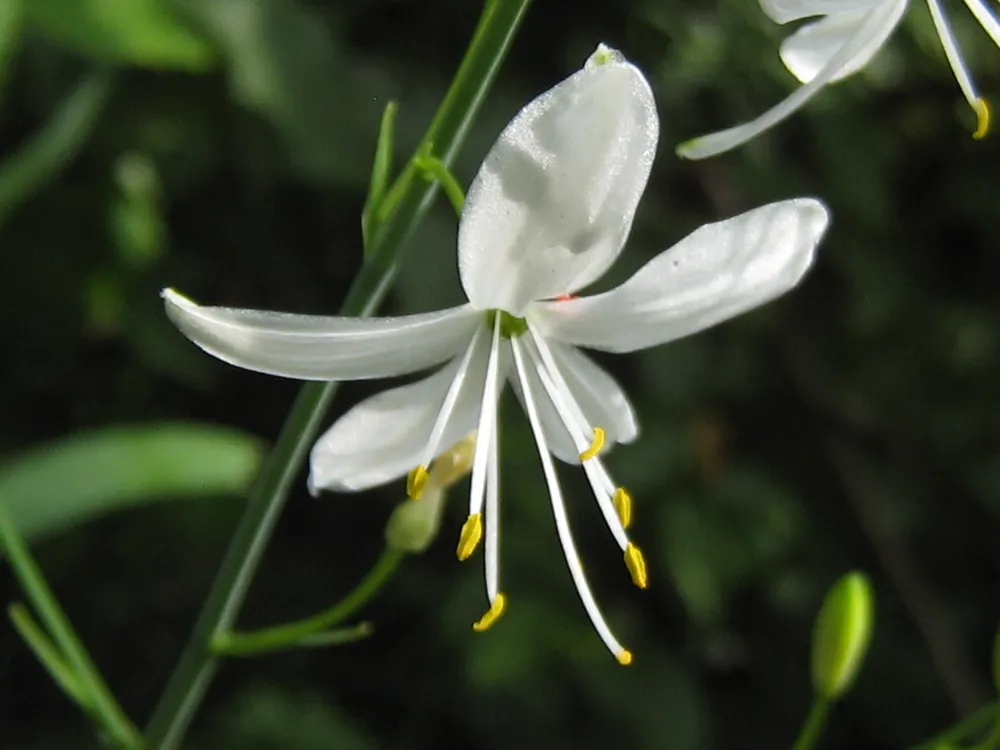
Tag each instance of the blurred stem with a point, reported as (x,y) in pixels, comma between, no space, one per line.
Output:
(978,722)
(47,653)
(992,740)
(54,145)
(294,633)
(813,727)
(189,682)
(87,684)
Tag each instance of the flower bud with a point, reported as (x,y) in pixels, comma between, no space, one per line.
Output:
(841,636)
(414,524)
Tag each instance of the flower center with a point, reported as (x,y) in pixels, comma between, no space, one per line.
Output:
(510,326)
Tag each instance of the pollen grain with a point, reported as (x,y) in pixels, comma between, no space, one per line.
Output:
(595,445)
(493,614)
(982,110)
(623,506)
(415,482)
(636,565)
(472,532)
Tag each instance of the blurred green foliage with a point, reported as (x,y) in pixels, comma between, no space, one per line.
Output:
(850,425)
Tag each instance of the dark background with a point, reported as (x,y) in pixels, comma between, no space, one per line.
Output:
(851,425)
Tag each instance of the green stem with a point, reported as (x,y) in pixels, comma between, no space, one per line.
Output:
(189,682)
(47,653)
(813,727)
(91,685)
(993,738)
(435,169)
(293,633)
(978,722)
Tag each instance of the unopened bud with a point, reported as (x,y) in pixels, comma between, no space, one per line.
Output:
(842,634)
(414,523)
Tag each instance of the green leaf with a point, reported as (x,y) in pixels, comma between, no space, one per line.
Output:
(58,485)
(138,32)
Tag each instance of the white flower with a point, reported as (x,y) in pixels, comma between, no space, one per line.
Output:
(546,215)
(842,42)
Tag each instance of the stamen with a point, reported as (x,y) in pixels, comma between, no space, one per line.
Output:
(487,423)
(595,446)
(982,110)
(624,657)
(497,608)
(492,551)
(623,506)
(415,482)
(954,55)
(450,399)
(636,565)
(559,512)
(472,532)
(577,426)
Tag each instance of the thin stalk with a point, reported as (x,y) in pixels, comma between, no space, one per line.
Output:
(98,696)
(293,633)
(977,722)
(813,727)
(189,682)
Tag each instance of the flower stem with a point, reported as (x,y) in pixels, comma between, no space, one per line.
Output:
(813,727)
(63,655)
(189,682)
(294,633)
(977,722)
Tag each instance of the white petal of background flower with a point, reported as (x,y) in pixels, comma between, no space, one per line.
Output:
(807,51)
(384,436)
(553,202)
(858,48)
(783,11)
(314,347)
(717,272)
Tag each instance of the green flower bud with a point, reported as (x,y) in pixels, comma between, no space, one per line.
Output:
(414,523)
(841,636)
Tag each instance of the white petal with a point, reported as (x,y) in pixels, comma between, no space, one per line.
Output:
(383,437)
(315,347)
(783,11)
(553,202)
(716,273)
(601,400)
(807,51)
(851,55)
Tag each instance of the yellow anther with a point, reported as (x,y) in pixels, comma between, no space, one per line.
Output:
(496,609)
(636,565)
(623,506)
(415,482)
(595,445)
(472,532)
(982,110)
(624,657)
